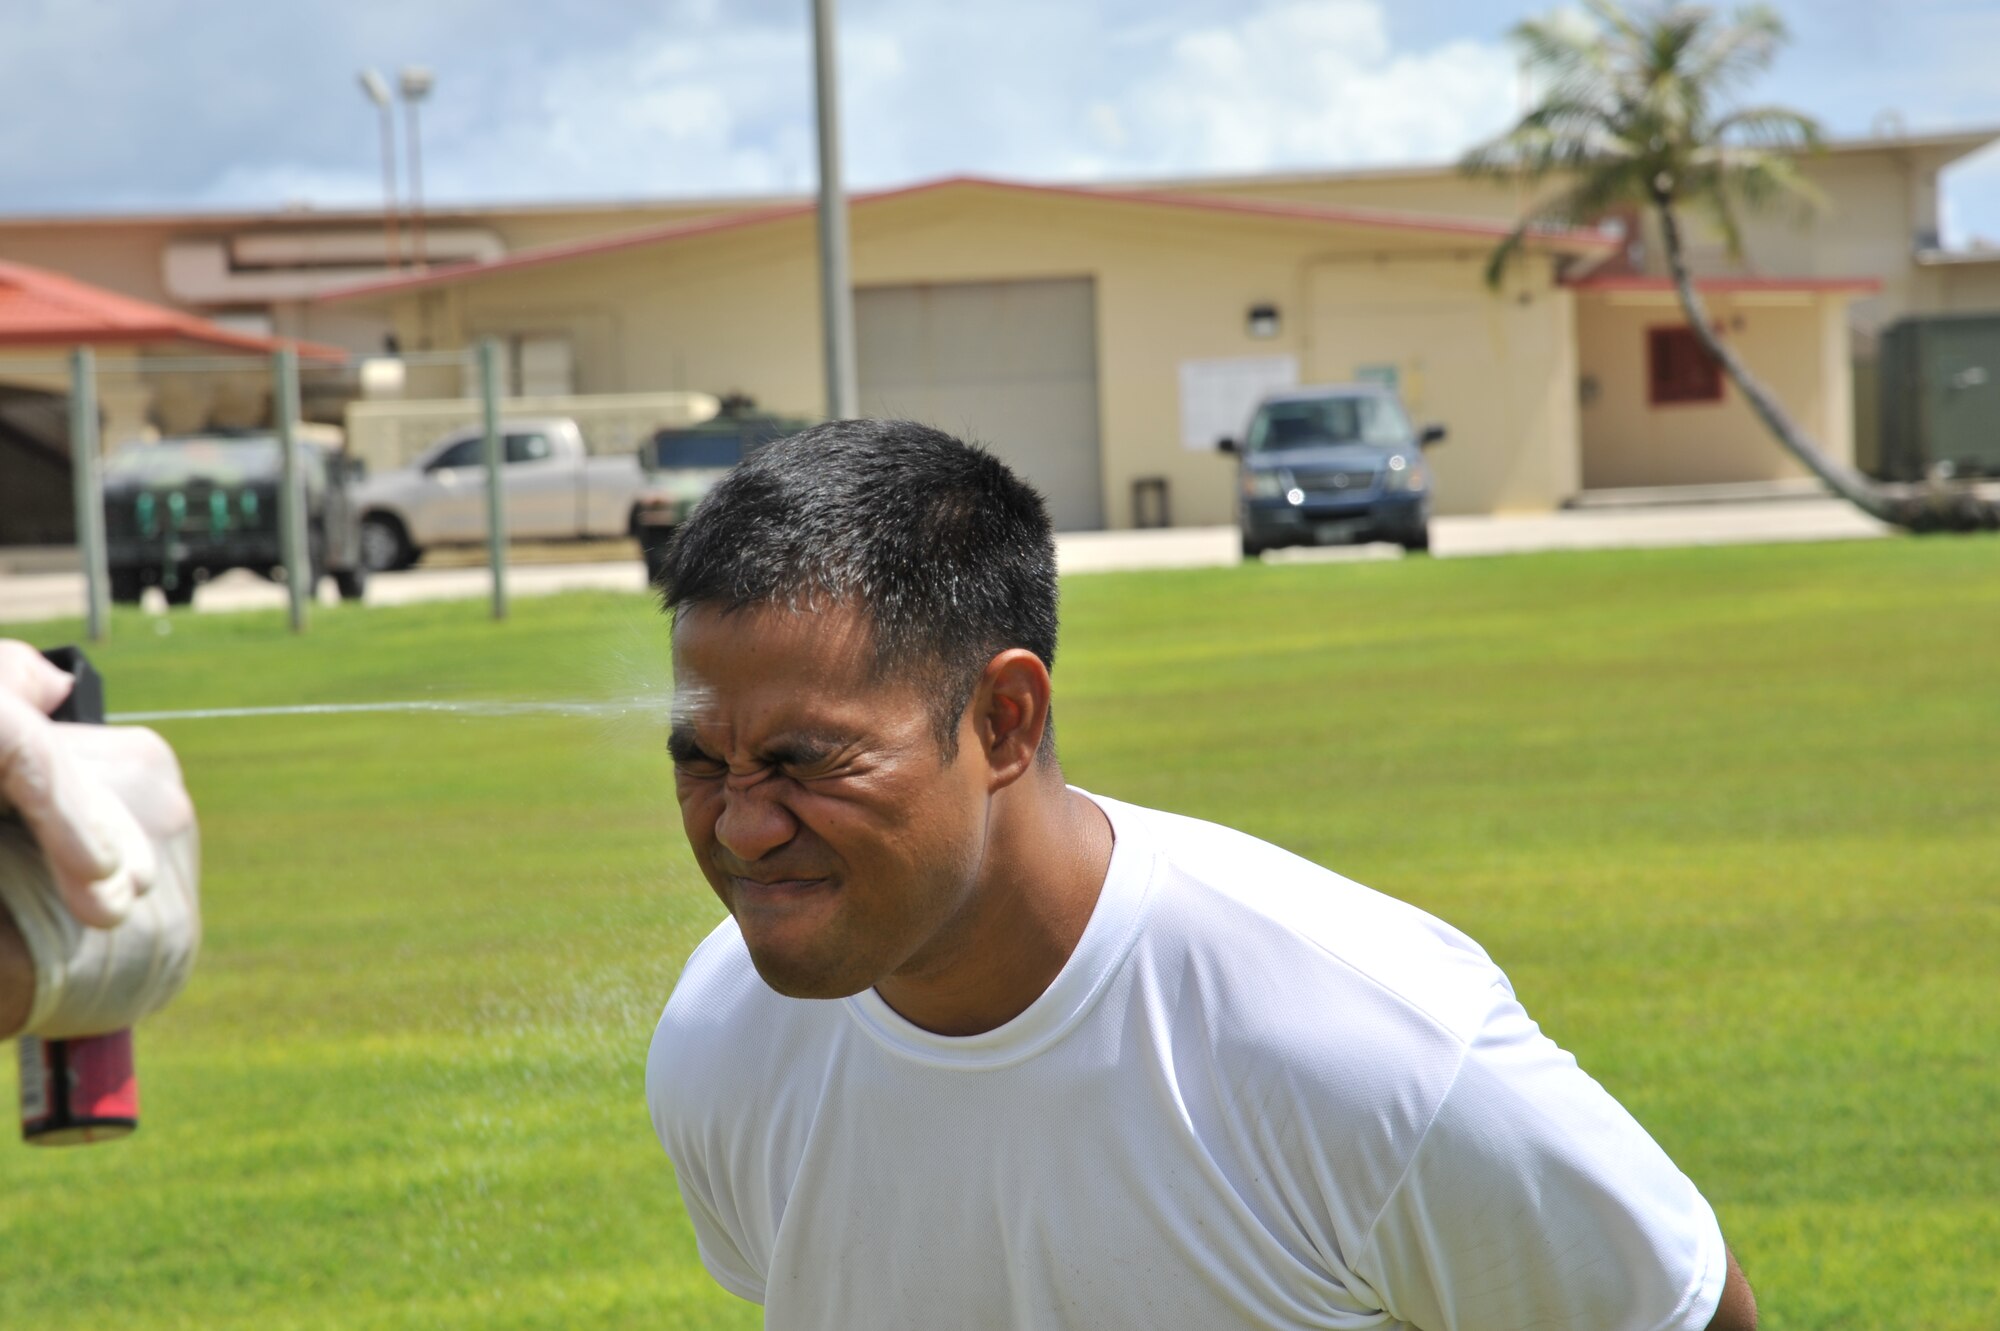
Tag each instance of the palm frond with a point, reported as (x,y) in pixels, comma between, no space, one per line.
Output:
(1504,255)
(1618,30)
(1634,108)
(1764,182)
(1714,201)
(1768,127)
(1735,51)
(1583,204)
(1559,46)
(1557,136)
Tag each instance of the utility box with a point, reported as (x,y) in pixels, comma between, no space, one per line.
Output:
(1939,398)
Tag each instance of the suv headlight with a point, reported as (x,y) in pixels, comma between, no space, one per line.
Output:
(1405,473)
(1264,484)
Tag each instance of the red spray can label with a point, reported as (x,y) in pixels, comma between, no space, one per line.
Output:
(81,1089)
(78,1090)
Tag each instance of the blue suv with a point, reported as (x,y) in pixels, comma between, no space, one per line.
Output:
(1330,465)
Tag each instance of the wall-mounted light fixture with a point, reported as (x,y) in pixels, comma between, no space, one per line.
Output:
(1263,321)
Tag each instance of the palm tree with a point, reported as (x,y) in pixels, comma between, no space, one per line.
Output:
(1631,116)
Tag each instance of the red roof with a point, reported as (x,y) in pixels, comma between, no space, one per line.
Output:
(1588,241)
(41,308)
(1857,286)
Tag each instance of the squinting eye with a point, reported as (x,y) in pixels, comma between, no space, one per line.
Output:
(694,763)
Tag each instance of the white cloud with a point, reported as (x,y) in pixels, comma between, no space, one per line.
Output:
(716,111)
(607,98)
(1299,84)
(720,102)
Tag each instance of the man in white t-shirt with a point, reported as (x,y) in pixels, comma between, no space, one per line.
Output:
(979,1049)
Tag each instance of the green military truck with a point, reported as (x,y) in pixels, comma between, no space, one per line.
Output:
(680,465)
(181,511)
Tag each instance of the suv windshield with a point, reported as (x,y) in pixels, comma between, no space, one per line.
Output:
(673,449)
(1366,418)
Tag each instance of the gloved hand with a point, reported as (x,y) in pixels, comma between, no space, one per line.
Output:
(99,858)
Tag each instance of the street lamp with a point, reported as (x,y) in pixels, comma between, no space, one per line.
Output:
(836,296)
(377,89)
(417,82)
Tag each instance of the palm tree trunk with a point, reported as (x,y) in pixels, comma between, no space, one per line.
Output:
(1915,508)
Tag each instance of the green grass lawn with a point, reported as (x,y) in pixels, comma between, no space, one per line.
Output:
(1729,818)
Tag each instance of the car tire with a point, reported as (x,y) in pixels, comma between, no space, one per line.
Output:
(182,590)
(1251,549)
(385,545)
(126,586)
(1417,542)
(352,583)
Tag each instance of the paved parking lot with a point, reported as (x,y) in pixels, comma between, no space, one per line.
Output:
(30,595)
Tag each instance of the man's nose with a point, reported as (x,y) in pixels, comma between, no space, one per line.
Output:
(752,823)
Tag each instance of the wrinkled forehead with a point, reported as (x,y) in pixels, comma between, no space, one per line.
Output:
(774,662)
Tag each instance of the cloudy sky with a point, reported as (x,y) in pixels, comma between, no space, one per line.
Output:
(187,104)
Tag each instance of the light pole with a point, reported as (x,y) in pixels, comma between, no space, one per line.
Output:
(377,89)
(836,297)
(417,83)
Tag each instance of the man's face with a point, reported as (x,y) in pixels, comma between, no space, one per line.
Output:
(817,800)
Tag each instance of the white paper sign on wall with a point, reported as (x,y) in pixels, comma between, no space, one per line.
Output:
(1218,395)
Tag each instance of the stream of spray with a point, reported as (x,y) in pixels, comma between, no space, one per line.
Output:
(658,704)
(625,680)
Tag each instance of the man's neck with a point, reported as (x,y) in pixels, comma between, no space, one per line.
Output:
(1046,860)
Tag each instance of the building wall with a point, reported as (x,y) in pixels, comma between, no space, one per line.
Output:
(1873,207)
(1175,286)
(1878,203)
(1796,345)
(1498,372)
(1967,288)
(738,311)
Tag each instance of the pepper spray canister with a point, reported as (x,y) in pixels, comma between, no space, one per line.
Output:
(81,1089)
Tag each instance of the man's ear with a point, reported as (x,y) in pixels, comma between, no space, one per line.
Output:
(1009,712)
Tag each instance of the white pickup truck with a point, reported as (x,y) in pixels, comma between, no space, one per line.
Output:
(554,491)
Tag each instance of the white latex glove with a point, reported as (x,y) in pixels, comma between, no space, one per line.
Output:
(100,857)
(102,834)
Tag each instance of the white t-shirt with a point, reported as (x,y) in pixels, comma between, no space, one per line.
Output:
(1257,1095)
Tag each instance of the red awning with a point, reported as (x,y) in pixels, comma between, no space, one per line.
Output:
(44,309)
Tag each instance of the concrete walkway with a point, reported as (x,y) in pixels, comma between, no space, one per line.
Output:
(48,593)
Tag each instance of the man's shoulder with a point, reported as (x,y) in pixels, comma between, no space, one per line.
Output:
(1274,923)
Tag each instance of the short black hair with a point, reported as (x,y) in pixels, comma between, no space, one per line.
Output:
(946,551)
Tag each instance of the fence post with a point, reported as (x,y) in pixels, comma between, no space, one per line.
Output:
(83,449)
(496,499)
(299,581)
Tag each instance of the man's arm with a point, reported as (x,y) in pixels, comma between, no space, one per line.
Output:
(1535,1199)
(1738,1309)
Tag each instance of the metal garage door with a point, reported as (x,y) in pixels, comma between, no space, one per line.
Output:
(1012,365)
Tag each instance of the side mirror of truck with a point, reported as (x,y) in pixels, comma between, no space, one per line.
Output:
(1431,434)
(1227,445)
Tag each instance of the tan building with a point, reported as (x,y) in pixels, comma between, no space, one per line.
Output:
(1085,333)
(1099,335)
(1079,333)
